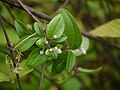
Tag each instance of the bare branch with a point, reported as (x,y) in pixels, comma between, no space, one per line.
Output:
(23,6)
(10,49)
(33,11)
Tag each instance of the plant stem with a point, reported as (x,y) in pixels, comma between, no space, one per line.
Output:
(42,78)
(10,50)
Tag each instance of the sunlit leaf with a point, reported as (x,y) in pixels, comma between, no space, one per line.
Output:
(70,61)
(26,43)
(74,38)
(110,29)
(35,58)
(85,45)
(55,27)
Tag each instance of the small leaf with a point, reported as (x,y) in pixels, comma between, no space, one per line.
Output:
(22,30)
(70,61)
(38,28)
(25,70)
(97,70)
(85,45)
(36,59)
(60,63)
(110,29)
(55,27)
(26,43)
(74,38)
(61,39)
(3,77)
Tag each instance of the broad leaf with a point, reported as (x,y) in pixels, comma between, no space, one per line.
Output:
(21,29)
(74,38)
(61,39)
(35,58)
(110,29)
(55,27)
(26,43)
(38,28)
(60,63)
(85,45)
(3,77)
(89,71)
(25,70)
(70,61)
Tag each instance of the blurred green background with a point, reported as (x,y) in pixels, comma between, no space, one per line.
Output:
(89,15)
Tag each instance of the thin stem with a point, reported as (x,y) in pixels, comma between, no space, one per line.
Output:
(27,10)
(42,77)
(10,50)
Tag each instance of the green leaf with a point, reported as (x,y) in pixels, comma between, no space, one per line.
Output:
(110,29)
(85,45)
(3,77)
(71,59)
(25,70)
(59,63)
(36,59)
(38,28)
(21,29)
(26,43)
(74,38)
(55,27)
(61,39)
(88,71)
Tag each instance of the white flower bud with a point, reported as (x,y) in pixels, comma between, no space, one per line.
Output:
(83,51)
(54,36)
(41,52)
(59,51)
(51,49)
(46,42)
(56,48)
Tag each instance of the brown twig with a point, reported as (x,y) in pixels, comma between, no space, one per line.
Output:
(100,40)
(10,49)
(51,80)
(86,34)
(27,10)
(33,11)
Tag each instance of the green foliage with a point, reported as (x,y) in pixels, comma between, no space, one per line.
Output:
(55,27)
(25,70)
(41,42)
(60,63)
(35,58)
(84,45)
(110,29)
(38,28)
(61,39)
(26,42)
(71,59)
(72,31)
(22,30)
